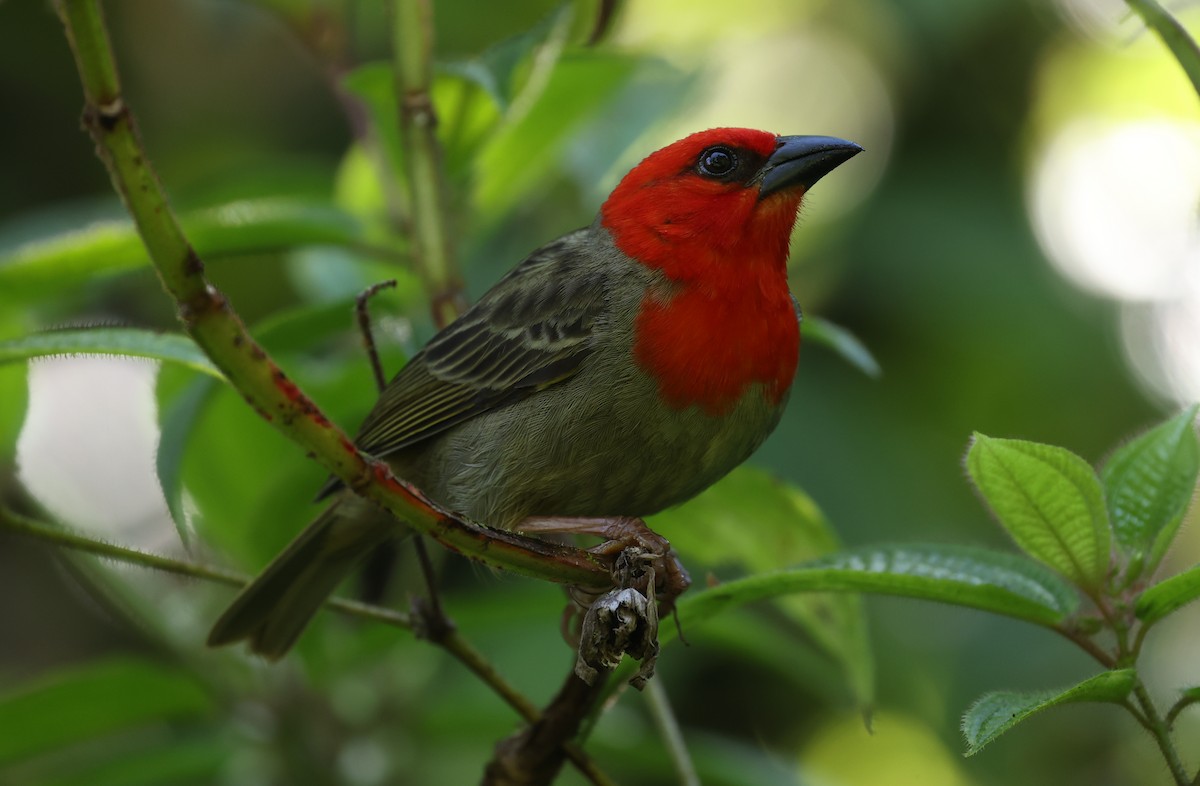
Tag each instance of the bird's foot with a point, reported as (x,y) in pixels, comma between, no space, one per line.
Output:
(623,534)
(647,578)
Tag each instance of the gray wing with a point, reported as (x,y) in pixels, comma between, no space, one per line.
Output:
(530,331)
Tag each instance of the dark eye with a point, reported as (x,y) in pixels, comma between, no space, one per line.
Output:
(717,162)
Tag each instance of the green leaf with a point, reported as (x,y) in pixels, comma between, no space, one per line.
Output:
(788,528)
(133,342)
(963,576)
(1167,596)
(1050,502)
(100,698)
(496,70)
(997,712)
(521,152)
(44,268)
(376,86)
(1149,484)
(150,762)
(177,424)
(844,343)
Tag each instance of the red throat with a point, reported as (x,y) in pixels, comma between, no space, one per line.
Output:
(729,322)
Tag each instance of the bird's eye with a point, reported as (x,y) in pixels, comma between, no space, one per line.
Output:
(717,162)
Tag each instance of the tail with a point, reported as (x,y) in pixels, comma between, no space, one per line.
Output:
(274,609)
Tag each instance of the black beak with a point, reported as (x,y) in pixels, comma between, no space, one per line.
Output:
(802,161)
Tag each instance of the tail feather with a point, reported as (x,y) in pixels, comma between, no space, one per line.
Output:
(274,609)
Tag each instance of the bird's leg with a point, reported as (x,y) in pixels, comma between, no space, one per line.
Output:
(433,620)
(619,533)
(648,577)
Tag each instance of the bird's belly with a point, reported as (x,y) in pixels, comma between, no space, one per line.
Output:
(582,455)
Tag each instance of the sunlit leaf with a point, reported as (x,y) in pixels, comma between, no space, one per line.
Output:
(375,84)
(521,152)
(1005,584)
(14,391)
(1149,485)
(1050,502)
(131,342)
(496,69)
(756,523)
(45,268)
(100,698)
(997,712)
(844,343)
(1167,596)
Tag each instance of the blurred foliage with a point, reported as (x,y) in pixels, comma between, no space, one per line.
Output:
(272,125)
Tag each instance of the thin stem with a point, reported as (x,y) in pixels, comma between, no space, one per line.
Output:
(1085,643)
(473,660)
(1185,701)
(1173,34)
(454,643)
(212,323)
(1137,715)
(668,727)
(1138,639)
(412,52)
(437,615)
(1160,732)
(534,755)
(39,530)
(364,327)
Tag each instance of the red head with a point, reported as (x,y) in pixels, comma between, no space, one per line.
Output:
(714,212)
(718,196)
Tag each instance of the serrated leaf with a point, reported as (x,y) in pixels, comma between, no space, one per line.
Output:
(1050,502)
(997,712)
(960,575)
(787,528)
(844,344)
(1149,485)
(1167,596)
(83,703)
(44,268)
(132,342)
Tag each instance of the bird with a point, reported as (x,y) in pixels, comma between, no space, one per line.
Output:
(615,372)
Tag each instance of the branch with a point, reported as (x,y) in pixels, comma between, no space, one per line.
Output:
(47,533)
(453,643)
(1185,701)
(212,323)
(534,755)
(1173,34)
(412,51)
(1159,731)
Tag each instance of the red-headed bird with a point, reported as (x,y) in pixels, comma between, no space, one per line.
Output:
(617,371)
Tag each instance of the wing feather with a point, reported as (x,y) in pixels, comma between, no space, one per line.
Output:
(532,330)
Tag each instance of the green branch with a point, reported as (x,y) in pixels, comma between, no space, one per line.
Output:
(209,319)
(453,643)
(1173,34)
(412,49)
(1161,733)
(31,528)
